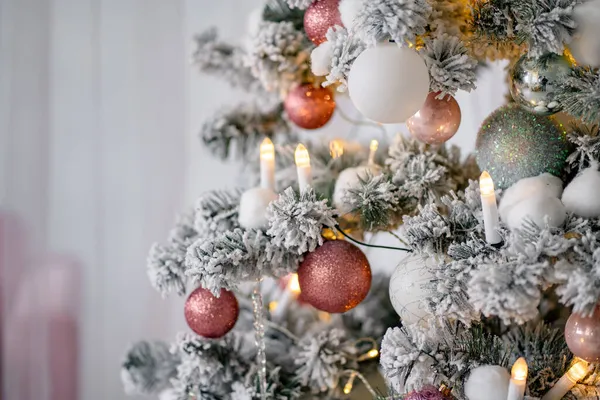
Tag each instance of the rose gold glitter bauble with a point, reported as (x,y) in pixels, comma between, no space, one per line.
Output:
(309,107)
(210,316)
(319,17)
(583,336)
(437,120)
(336,277)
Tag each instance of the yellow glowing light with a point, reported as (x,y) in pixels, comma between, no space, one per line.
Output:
(373,353)
(336,148)
(294,284)
(486,184)
(272,306)
(324,316)
(267,150)
(349,384)
(301,156)
(578,371)
(374,145)
(519,370)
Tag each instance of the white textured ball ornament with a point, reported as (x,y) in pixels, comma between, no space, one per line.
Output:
(582,196)
(350,178)
(544,185)
(409,288)
(537,209)
(253,208)
(349,9)
(320,59)
(488,382)
(388,84)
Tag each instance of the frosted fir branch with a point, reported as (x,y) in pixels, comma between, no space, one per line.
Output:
(398,20)
(493,20)
(375,200)
(166,263)
(280,386)
(579,94)
(449,16)
(215,57)
(237,132)
(450,66)
(428,230)
(346,48)
(279,55)
(296,220)
(148,368)
(301,4)
(322,357)
(285,11)
(546,25)
(587,146)
(217,212)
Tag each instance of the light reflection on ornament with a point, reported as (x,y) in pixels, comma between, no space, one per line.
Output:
(309,107)
(583,335)
(437,121)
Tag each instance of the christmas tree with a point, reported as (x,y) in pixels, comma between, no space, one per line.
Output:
(497,292)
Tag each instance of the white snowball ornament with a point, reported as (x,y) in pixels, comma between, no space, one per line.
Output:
(537,209)
(350,178)
(488,382)
(544,185)
(253,208)
(349,9)
(388,84)
(409,288)
(582,196)
(320,59)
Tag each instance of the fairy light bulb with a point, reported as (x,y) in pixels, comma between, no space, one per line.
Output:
(267,164)
(491,219)
(290,294)
(373,147)
(350,384)
(518,380)
(336,148)
(486,184)
(303,167)
(294,284)
(576,373)
(519,370)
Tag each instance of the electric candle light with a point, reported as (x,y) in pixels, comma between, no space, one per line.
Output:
(518,380)
(267,164)
(303,167)
(292,291)
(568,380)
(373,147)
(336,148)
(491,220)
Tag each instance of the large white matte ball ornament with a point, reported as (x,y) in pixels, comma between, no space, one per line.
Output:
(388,84)
(320,59)
(545,185)
(537,209)
(253,208)
(350,178)
(409,287)
(582,196)
(488,382)
(349,10)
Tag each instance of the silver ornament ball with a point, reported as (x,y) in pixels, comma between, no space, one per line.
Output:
(533,82)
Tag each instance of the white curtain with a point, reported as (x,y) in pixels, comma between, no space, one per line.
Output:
(99,110)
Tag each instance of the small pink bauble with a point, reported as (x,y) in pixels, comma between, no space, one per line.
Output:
(426,393)
(437,120)
(309,107)
(210,316)
(319,17)
(336,277)
(583,335)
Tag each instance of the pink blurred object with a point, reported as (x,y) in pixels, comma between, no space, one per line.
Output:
(437,121)
(42,335)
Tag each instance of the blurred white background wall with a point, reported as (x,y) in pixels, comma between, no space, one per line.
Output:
(99,113)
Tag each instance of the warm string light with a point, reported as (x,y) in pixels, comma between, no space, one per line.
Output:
(267,164)
(301,156)
(291,292)
(373,150)
(518,380)
(486,184)
(350,384)
(576,373)
(491,219)
(303,167)
(336,148)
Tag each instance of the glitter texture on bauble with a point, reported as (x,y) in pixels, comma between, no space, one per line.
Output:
(513,144)
(210,316)
(319,17)
(336,277)
(309,107)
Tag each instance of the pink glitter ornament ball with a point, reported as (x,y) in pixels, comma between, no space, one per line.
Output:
(210,316)
(426,393)
(336,277)
(309,107)
(437,120)
(583,336)
(319,17)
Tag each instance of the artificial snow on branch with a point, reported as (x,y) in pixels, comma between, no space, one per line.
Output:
(587,146)
(237,132)
(450,66)
(301,4)
(345,49)
(375,200)
(398,20)
(217,212)
(579,94)
(148,368)
(296,220)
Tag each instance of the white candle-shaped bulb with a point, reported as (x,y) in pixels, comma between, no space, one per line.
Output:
(291,292)
(576,373)
(373,150)
(491,220)
(518,380)
(336,148)
(267,164)
(303,167)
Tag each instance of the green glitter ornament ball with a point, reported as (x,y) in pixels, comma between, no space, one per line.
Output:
(513,144)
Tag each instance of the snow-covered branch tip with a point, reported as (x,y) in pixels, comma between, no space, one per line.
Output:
(148,368)
(579,94)
(345,49)
(217,212)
